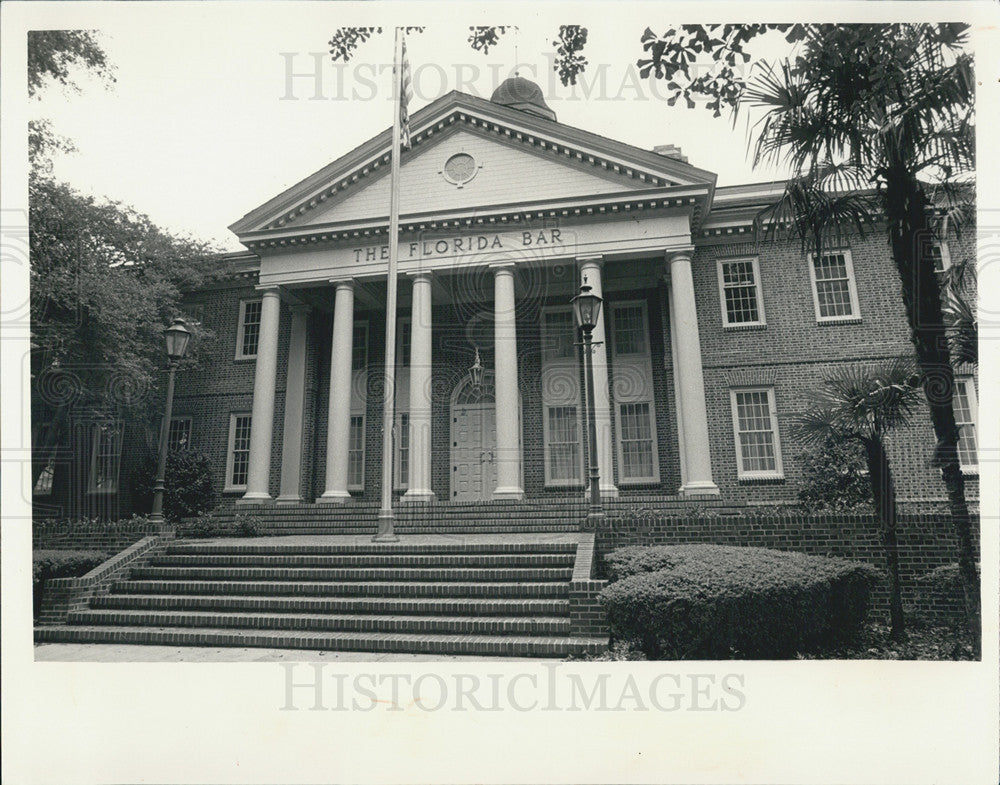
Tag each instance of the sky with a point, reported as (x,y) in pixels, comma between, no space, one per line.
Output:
(204,122)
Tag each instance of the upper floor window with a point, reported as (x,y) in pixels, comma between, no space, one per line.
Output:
(558,335)
(248,332)
(740,292)
(965,406)
(755,426)
(359,347)
(835,293)
(630,330)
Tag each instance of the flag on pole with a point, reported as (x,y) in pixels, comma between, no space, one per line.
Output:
(405,96)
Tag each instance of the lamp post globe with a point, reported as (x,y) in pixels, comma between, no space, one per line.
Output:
(177,336)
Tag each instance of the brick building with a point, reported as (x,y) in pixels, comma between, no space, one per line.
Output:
(708,343)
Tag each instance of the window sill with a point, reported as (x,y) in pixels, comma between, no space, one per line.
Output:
(772,479)
(101,492)
(836,321)
(748,327)
(564,485)
(235,489)
(636,483)
(248,359)
(970,471)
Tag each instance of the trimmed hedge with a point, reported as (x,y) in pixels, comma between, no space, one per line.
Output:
(47,564)
(724,602)
(208,525)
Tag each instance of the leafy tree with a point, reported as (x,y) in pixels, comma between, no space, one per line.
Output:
(861,405)
(189,486)
(104,279)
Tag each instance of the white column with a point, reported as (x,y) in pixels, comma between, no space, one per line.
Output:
(690,381)
(262,422)
(338,433)
(508,455)
(421,336)
(590,274)
(295,399)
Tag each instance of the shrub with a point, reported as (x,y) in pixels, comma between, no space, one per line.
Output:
(835,478)
(189,487)
(48,564)
(721,602)
(244,524)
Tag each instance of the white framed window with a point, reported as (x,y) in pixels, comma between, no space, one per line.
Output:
(105,457)
(356,453)
(755,427)
(402,445)
(638,461)
(248,329)
(740,295)
(563,450)
(965,404)
(558,335)
(359,347)
(636,453)
(179,434)
(404,337)
(238,453)
(937,244)
(835,293)
(630,329)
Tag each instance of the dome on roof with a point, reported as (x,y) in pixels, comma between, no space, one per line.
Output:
(520,93)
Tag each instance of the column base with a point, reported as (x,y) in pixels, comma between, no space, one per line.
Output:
(508,494)
(334,497)
(386,528)
(255,498)
(704,488)
(289,499)
(413,496)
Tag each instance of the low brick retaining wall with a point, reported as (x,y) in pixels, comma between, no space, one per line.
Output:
(925,543)
(62,595)
(87,535)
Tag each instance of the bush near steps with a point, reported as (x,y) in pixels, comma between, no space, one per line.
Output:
(724,602)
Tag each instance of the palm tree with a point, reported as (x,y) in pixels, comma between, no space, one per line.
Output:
(864,405)
(875,119)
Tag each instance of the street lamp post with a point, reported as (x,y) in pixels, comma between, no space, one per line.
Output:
(177,337)
(586,308)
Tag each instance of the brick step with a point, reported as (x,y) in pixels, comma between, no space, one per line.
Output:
(459,625)
(494,575)
(491,560)
(346,588)
(279,548)
(510,646)
(328,530)
(363,605)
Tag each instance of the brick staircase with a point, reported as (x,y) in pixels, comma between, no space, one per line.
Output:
(500,594)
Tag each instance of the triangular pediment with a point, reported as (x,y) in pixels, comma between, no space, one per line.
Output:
(469,155)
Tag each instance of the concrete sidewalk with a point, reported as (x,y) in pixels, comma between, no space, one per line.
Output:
(115,652)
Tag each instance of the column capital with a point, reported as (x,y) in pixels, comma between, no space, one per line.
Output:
(419,274)
(343,281)
(268,289)
(499,267)
(678,254)
(591,259)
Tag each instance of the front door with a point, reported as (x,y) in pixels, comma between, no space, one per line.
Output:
(473,451)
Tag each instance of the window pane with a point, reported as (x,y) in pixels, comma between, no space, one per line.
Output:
(833,290)
(563,437)
(241,449)
(251,328)
(756,437)
(559,335)
(740,292)
(637,441)
(179,435)
(965,417)
(629,330)
(359,348)
(403,442)
(356,452)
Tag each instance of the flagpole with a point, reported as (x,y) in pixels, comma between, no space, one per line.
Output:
(386,532)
